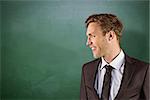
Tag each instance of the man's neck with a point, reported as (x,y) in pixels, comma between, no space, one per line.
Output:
(112,55)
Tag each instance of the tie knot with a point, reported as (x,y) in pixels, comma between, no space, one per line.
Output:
(108,68)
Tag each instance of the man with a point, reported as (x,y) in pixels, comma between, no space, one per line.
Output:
(113,75)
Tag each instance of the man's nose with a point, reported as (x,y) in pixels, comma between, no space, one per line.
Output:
(88,42)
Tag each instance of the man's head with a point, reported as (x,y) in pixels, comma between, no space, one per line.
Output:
(103,32)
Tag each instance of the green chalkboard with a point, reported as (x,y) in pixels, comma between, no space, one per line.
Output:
(43,44)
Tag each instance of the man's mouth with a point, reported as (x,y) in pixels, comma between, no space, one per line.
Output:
(93,48)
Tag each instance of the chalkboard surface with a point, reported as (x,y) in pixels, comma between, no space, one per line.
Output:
(43,44)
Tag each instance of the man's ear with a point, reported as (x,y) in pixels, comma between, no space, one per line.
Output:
(110,36)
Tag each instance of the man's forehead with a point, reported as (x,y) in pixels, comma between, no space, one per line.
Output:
(92,27)
(93,24)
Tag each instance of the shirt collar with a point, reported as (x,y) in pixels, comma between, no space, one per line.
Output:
(116,63)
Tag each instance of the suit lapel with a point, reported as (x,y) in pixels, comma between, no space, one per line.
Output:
(92,75)
(127,76)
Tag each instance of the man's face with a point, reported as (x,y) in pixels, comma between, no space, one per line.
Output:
(96,40)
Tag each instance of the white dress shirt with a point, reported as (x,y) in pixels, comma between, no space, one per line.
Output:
(116,75)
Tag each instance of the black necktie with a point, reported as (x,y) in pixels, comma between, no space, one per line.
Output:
(106,83)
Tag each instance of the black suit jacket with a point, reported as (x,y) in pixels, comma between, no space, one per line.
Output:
(134,85)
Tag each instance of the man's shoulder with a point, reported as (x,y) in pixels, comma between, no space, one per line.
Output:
(136,61)
(91,63)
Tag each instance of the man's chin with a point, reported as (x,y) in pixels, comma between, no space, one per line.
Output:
(96,56)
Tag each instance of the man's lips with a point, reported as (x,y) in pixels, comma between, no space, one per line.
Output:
(93,48)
